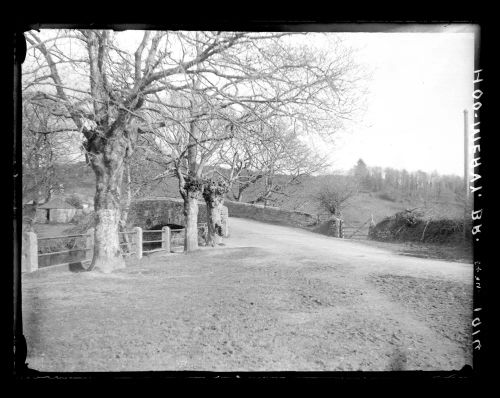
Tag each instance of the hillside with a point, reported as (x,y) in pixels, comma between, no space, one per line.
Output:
(358,209)
(79,179)
(366,204)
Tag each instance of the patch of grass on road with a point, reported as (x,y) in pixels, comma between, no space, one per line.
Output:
(449,252)
(445,306)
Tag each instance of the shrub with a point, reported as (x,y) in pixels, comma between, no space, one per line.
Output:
(410,225)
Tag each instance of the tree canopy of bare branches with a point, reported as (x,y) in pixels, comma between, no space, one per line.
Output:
(186,94)
(335,192)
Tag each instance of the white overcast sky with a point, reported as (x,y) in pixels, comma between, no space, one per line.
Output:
(420,85)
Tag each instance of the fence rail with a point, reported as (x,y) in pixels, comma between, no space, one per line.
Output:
(153,250)
(153,241)
(60,237)
(30,258)
(351,231)
(64,251)
(66,263)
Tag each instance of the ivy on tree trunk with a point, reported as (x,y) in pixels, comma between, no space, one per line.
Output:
(213,193)
(191,189)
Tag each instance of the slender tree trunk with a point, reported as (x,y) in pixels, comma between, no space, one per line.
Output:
(191,214)
(239,197)
(107,159)
(125,210)
(190,189)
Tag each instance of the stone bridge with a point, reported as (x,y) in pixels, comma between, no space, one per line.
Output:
(155,213)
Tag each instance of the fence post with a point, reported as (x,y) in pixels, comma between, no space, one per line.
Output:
(138,242)
(89,244)
(29,258)
(371,226)
(165,237)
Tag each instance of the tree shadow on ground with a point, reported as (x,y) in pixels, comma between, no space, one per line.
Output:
(77,267)
(398,360)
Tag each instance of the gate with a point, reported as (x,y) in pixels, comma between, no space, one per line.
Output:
(359,231)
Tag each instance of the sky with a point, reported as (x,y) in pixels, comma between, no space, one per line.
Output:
(419,87)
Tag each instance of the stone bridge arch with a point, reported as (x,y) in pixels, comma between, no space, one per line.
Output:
(152,212)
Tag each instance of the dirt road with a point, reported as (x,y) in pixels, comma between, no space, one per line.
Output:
(273,298)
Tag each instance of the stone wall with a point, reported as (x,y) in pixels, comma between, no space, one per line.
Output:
(61,215)
(331,227)
(149,213)
(269,214)
(42,216)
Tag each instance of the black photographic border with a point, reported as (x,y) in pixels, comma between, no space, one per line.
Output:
(482,296)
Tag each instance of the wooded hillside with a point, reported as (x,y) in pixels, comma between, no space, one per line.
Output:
(382,192)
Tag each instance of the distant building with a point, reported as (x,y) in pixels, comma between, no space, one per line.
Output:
(55,211)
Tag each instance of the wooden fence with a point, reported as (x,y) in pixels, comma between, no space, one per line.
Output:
(131,243)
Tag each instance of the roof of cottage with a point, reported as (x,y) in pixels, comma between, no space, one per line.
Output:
(56,203)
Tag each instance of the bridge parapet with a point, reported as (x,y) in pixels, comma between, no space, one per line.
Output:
(274,215)
(155,212)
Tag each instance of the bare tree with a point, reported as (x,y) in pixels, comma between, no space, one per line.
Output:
(256,80)
(46,146)
(335,192)
(38,155)
(102,88)
(186,88)
(183,146)
(273,155)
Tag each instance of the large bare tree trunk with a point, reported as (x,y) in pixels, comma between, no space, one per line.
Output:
(107,156)
(213,193)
